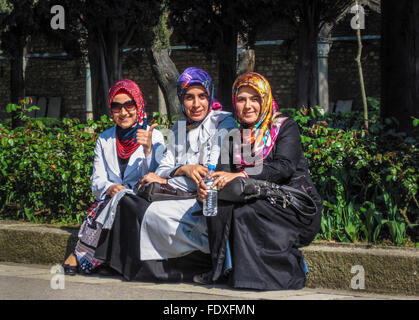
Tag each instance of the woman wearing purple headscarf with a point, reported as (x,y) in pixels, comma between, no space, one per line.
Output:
(164,240)
(171,231)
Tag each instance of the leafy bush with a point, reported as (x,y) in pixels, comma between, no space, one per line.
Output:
(45,171)
(368,179)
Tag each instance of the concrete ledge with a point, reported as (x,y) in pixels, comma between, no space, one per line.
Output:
(35,244)
(387,270)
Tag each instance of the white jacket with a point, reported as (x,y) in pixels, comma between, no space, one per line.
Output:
(106,170)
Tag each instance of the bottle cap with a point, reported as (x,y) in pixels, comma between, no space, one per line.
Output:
(211,167)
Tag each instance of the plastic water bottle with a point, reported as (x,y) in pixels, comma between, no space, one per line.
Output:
(210,204)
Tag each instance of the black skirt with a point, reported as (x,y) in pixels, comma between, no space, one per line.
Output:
(264,241)
(120,248)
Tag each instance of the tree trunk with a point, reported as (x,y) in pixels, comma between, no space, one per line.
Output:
(99,91)
(112,56)
(226,75)
(400,62)
(246,58)
(226,71)
(246,61)
(323,49)
(17,81)
(307,81)
(166,74)
(361,75)
(105,63)
(227,58)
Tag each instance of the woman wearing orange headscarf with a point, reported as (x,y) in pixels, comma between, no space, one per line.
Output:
(263,237)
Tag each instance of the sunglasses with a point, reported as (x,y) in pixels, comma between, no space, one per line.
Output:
(128,106)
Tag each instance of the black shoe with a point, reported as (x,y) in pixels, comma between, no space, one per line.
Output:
(70,270)
(204,278)
(105,270)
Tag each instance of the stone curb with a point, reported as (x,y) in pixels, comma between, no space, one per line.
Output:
(386,270)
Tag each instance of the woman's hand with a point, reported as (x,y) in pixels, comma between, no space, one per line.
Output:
(144,139)
(152,177)
(114,189)
(194,171)
(202,191)
(221,180)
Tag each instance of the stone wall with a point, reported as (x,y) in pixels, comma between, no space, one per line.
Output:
(343,71)
(58,77)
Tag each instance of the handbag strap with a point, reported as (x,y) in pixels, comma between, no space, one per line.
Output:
(284,195)
(241,190)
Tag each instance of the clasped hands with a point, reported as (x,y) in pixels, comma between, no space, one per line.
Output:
(197,173)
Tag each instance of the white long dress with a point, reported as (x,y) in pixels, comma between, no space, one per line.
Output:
(172,228)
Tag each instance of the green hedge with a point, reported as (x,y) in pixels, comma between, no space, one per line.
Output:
(45,170)
(368,179)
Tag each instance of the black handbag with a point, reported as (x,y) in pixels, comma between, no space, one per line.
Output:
(241,190)
(156,192)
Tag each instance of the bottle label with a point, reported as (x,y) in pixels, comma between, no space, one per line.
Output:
(209,183)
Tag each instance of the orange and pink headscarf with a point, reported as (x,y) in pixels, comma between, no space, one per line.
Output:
(264,132)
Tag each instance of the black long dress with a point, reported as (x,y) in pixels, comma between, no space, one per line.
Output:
(264,238)
(119,247)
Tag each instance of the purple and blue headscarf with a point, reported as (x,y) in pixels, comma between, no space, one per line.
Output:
(195,76)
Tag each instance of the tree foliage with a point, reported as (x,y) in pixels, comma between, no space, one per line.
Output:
(400,61)
(213,26)
(18,22)
(103,30)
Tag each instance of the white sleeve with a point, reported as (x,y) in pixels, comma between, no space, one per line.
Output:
(219,148)
(153,159)
(167,161)
(99,179)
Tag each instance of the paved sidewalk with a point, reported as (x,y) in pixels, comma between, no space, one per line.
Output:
(36,282)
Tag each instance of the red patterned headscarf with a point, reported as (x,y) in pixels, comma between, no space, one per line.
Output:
(126,142)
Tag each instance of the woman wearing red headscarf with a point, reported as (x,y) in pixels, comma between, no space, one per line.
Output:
(123,155)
